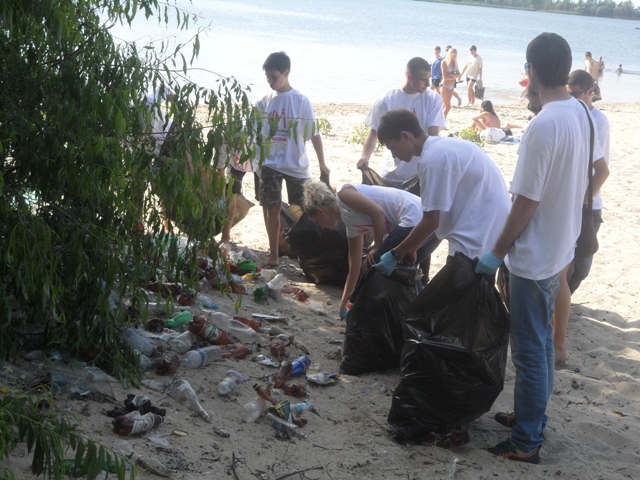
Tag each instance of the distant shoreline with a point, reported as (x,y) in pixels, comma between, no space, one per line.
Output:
(480,3)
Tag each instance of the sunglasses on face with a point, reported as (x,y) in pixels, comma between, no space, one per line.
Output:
(577,93)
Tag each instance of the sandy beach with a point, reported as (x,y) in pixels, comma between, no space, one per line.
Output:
(594,412)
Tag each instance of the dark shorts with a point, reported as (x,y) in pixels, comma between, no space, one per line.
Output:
(237,176)
(436,81)
(270,190)
(469,79)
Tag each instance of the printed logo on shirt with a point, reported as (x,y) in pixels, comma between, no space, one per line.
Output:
(281,120)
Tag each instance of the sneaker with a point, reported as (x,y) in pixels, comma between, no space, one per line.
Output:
(506,419)
(509,451)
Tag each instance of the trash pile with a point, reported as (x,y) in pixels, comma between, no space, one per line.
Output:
(196,335)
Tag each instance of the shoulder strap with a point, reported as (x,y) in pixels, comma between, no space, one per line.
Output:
(590,173)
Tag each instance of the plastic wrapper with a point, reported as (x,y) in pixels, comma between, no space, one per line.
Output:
(374,334)
(321,378)
(455,353)
(323,253)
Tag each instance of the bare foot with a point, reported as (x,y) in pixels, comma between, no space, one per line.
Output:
(561,356)
(271,262)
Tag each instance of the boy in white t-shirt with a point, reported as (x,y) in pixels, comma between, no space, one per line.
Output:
(290,114)
(464,197)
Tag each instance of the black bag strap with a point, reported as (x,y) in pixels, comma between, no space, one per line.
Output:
(590,156)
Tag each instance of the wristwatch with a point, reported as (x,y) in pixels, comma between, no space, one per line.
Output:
(395,256)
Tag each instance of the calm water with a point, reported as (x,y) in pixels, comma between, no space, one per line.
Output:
(352,51)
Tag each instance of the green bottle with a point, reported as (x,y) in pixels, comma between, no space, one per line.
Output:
(180,319)
(261,293)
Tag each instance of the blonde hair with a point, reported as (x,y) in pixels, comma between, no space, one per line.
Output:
(317,194)
(449,56)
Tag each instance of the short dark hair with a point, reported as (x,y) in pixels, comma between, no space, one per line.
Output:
(279,61)
(437,48)
(582,78)
(588,54)
(396,121)
(416,64)
(550,55)
(473,47)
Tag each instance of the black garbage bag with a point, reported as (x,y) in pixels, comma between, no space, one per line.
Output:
(374,336)
(323,254)
(455,353)
(371,177)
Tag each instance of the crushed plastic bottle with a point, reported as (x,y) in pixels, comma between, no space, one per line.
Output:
(168,364)
(276,285)
(153,465)
(254,324)
(183,342)
(183,392)
(302,406)
(277,348)
(228,384)
(253,409)
(137,342)
(290,369)
(204,356)
(133,423)
(249,254)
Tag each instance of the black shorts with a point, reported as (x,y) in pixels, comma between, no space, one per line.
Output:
(436,82)
(237,176)
(270,190)
(469,79)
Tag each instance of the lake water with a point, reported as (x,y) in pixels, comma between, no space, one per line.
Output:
(352,51)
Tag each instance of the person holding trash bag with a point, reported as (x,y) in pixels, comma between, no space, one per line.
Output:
(539,237)
(464,197)
(366,209)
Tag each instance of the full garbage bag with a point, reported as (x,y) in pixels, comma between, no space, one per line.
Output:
(323,254)
(455,353)
(374,334)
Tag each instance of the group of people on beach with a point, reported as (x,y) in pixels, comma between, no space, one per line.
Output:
(445,73)
(531,228)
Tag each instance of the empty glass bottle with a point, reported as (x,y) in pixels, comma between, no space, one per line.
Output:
(184,393)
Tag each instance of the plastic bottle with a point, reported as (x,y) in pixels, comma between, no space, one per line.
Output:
(233,327)
(206,301)
(249,254)
(180,319)
(261,293)
(125,449)
(182,343)
(229,382)
(294,390)
(183,392)
(202,356)
(253,409)
(139,343)
(205,330)
(135,424)
(300,365)
(301,407)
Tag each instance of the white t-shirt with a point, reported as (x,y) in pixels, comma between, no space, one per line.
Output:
(474,64)
(552,169)
(602,129)
(400,209)
(427,107)
(296,125)
(460,180)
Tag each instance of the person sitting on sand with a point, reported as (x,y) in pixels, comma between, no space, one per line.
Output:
(365,209)
(487,118)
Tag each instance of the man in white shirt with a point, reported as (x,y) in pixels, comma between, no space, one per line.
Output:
(581,86)
(473,70)
(464,197)
(539,237)
(418,98)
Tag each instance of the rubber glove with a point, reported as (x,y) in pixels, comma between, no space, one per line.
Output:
(488,263)
(387,264)
(343,314)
